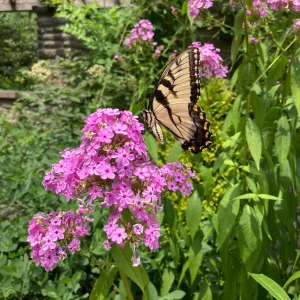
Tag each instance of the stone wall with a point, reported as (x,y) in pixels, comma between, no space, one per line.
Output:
(52,41)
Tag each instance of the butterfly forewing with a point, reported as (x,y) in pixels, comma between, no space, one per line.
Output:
(173,103)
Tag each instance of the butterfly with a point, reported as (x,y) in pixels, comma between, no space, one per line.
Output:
(173,104)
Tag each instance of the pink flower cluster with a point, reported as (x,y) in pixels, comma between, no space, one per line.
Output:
(211,61)
(293,5)
(52,236)
(112,165)
(296,26)
(259,8)
(142,31)
(253,40)
(196,5)
(173,10)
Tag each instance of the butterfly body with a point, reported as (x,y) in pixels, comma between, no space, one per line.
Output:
(173,104)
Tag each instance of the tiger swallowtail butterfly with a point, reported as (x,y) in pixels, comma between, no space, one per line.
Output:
(173,104)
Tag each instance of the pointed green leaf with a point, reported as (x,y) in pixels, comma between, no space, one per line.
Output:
(282,140)
(151,293)
(103,284)
(271,286)
(295,82)
(151,145)
(246,196)
(175,152)
(291,279)
(193,213)
(167,281)
(123,259)
(195,255)
(227,213)
(175,295)
(249,237)
(268,197)
(254,141)
(205,292)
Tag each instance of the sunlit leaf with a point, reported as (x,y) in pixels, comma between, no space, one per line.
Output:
(271,286)
(282,140)
(249,237)
(291,279)
(254,141)
(123,259)
(103,284)
(227,213)
(193,213)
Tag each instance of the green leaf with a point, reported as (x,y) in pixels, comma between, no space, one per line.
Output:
(167,281)
(291,279)
(175,152)
(226,216)
(276,71)
(123,259)
(238,23)
(193,213)
(268,197)
(184,8)
(151,293)
(271,286)
(207,180)
(249,237)
(151,145)
(177,294)
(103,284)
(246,196)
(183,271)
(295,82)
(195,255)
(254,141)
(205,292)
(282,140)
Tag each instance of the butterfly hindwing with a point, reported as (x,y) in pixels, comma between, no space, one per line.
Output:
(173,103)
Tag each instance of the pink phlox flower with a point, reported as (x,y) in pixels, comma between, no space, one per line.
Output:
(296,26)
(48,243)
(120,128)
(56,233)
(196,5)
(106,134)
(142,172)
(49,260)
(106,244)
(74,245)
(80,231)
(123,156)
(211,61)
(110,228)
(106,171)
(138,229)
(152,235)
(253,40)
(142,31)
(259,8)
(119,235)
(126,198)
(136,261)
(150,194)
(173,9)
(95,192)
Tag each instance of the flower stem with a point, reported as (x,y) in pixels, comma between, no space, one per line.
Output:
(126,285)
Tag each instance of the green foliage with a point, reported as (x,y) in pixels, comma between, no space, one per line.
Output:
(236,236)
(18,49)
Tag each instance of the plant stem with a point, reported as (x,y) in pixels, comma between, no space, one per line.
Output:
(126,285)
